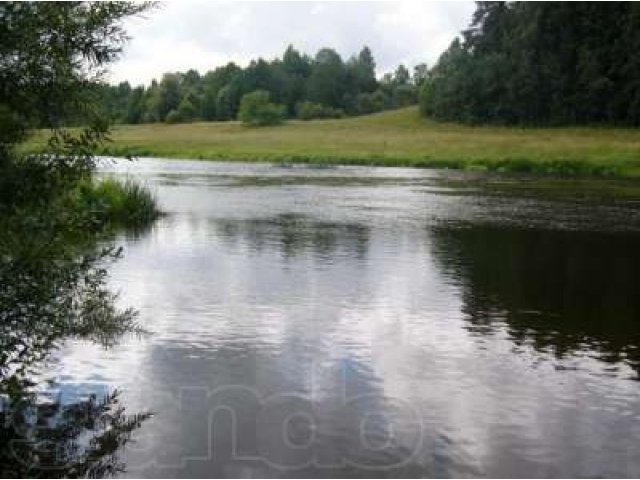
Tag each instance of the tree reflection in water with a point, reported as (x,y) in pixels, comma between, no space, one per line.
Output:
(52,288)
(559,291)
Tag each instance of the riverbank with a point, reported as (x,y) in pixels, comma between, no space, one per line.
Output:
(394,138)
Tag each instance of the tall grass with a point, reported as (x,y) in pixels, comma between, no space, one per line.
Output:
(115,202)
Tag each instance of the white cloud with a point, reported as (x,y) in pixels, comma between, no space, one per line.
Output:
(203,35)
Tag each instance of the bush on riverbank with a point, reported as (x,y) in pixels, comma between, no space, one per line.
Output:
(30,184)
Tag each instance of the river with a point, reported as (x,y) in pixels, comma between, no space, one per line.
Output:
(355,321)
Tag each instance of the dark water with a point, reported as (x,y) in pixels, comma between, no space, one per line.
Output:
(322,322)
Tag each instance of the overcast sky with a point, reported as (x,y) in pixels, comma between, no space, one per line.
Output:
(180,35)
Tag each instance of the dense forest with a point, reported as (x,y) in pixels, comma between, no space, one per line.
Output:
(324,86)
(541,63)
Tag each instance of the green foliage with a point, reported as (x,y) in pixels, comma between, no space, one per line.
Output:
(52,60)
(295,70)
(309,111)
(114,203)
(226,103)
(173,117)
(50,53)
(401,76)
(541,63)
(403,96)
(425,101)
(187,109)
(324,80)
(420,74)
(53,273)
(371,102)
(327,82)
(365,71)
(257,110)
(54,222)
(135,107)
(36,216)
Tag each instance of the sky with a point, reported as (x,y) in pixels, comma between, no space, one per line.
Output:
(179,35)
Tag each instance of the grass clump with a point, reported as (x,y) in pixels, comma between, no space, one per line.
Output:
(115,202)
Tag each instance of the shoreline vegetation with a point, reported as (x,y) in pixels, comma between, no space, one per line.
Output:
(60,227)
(115,204)
(399,138)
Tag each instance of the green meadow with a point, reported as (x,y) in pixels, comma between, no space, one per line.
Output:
(392,138)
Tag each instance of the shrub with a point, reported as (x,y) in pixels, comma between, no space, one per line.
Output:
(371,102)
(256,109)
(186,110)
(173,117)
(308,110)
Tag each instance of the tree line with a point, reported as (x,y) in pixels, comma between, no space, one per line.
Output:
(300,86)
(541,63)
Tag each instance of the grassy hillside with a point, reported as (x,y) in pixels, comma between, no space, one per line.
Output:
(395,138)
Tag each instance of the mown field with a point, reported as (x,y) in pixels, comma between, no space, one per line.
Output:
(395,138)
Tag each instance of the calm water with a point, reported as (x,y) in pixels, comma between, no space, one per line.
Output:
(376,322)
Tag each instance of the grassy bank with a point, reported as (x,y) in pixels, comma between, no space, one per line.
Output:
(395,138)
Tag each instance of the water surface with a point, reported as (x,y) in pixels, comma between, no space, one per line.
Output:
(359,321)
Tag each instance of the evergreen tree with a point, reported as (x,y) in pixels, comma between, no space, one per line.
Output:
(541,63)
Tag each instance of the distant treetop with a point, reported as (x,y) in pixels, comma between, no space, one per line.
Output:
(322,86)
